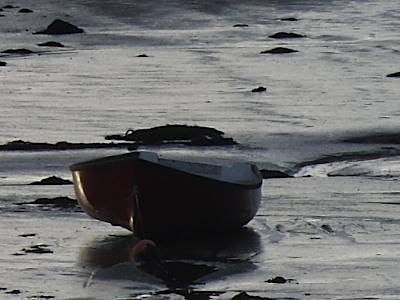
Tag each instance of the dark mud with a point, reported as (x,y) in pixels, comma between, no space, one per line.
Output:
(351,156)
(375,138)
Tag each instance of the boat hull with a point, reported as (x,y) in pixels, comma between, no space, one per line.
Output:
(169,201)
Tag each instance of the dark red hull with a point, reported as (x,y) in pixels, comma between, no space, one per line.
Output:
(170,201)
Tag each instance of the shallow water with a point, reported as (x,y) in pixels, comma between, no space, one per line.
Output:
(200,71)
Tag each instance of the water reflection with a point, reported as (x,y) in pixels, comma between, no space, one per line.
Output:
(186,261)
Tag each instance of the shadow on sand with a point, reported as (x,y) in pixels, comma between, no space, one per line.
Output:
(187,261)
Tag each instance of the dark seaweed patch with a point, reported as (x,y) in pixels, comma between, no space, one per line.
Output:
(19,145)
(173,134)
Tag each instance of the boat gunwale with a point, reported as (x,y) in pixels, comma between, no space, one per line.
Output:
(134,156)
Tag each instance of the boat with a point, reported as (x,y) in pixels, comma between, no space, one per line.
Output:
(155,197)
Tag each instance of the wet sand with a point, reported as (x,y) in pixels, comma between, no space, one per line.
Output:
(325,242)
(314,237)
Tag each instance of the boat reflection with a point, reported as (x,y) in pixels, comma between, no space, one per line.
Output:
(186,261)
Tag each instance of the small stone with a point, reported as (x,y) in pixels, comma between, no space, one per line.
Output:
(240,25)
(259,89)
(286,35)
(279,50)
(142,55)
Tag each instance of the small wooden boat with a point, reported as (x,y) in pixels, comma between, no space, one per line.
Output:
(152,196)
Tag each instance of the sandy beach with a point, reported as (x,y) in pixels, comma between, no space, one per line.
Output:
(302,233)
(305,89)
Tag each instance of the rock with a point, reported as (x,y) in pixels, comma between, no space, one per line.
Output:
(43,297)
(52,180)
(25,10)
(240,25)
(27,234)
(9,6)
(37,249)
(278,279)
(146,251)
(174,133)
(289,19)
(60,202)
(14,292)
(3,63)
(50,44)
(327,228)
(245,296)
(273,174)
(18,51)
(397,74)
(286,35)
(259,89)
(279,50)
(60,27)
